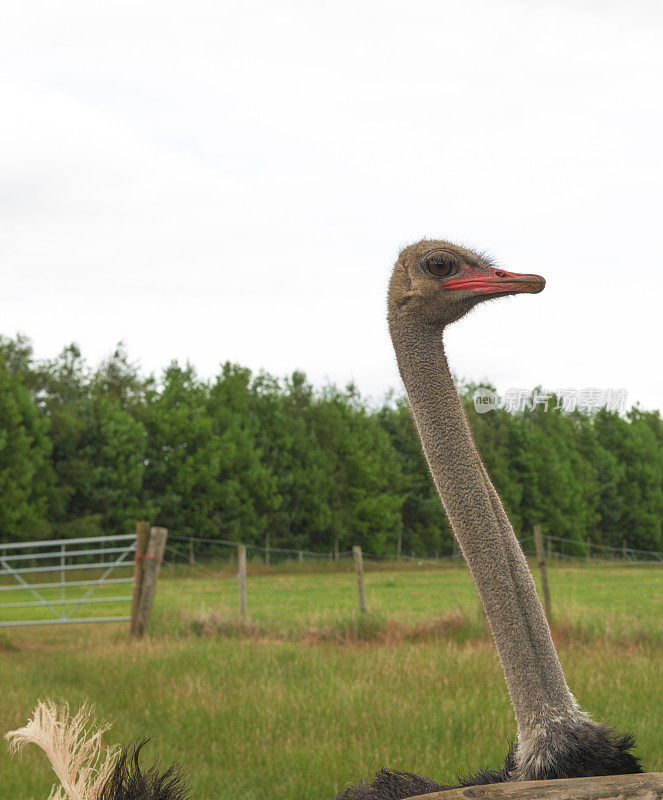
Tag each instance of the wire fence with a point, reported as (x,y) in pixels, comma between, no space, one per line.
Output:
(193,550)
(54,580)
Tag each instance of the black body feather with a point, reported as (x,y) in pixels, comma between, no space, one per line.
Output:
(128,781)
(603,753)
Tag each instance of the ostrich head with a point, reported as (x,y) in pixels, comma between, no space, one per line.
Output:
(440,282)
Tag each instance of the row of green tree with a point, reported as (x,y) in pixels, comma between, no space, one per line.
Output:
(85,451)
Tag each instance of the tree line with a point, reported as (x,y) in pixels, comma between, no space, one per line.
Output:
(87,451)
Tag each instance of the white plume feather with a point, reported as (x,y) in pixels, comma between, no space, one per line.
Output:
(73,746)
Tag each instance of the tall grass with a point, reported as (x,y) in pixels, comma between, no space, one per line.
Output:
(312,694)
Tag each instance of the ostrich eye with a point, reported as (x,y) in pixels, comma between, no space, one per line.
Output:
(440,264)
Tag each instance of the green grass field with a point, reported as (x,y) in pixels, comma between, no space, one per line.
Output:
(309,696)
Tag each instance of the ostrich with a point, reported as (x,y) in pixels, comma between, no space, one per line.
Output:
(85,769)
(433,284)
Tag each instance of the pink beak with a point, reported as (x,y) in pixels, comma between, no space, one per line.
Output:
(499,281)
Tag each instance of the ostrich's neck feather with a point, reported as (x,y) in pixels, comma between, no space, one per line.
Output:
(534,676)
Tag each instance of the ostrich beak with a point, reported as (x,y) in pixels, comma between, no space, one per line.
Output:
(500,281)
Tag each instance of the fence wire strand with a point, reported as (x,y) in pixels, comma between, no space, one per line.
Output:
(581,548)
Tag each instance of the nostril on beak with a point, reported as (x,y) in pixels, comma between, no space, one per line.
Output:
(500,274)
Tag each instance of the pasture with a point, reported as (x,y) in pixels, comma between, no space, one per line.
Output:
(309,694)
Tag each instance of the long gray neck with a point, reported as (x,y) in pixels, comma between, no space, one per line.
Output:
(534,676)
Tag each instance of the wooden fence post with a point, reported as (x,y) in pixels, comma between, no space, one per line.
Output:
(150,572)
(399,545)
(191,556)
(541,561)
(300,557)
(588,550)
(336,549)
(241,558)
(359,569)
(142,537)
(267,554)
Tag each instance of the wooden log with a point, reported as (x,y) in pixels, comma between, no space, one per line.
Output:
(152,564)
(647,786)
(241,558)
(142,537)
(359,569)
(541,562)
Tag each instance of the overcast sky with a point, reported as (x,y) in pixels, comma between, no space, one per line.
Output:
(233,180)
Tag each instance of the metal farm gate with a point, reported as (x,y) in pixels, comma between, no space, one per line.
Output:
(81,568)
